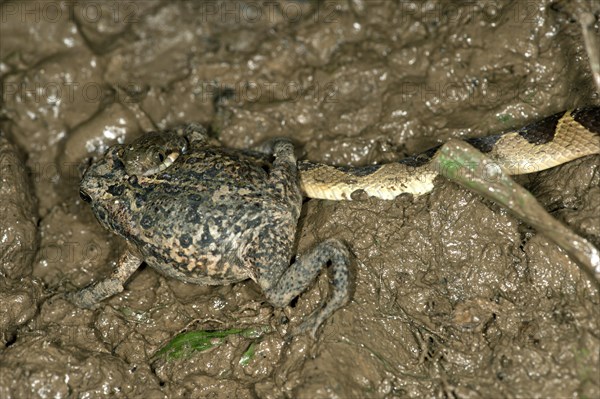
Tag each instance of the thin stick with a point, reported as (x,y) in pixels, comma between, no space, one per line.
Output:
(592,44)
(463,164)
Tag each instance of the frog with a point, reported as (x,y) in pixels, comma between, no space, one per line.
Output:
(205,214)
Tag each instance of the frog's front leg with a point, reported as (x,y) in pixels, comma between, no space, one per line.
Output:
(100,290)
(280,281)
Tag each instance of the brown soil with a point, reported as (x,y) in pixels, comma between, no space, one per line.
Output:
(453,297)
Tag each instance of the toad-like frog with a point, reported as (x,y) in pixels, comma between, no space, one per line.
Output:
(205,214)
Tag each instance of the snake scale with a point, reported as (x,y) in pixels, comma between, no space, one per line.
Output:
(550,142)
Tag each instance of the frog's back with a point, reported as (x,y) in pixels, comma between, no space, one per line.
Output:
(213,168)
(196,218)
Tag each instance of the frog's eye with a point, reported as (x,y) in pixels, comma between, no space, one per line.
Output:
(84,196)
(153,153)
(164,161)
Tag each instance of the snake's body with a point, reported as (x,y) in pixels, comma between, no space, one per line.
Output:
(555,140)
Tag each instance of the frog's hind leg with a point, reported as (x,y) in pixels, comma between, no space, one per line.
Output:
(280,281)
(91,295)
(298,277)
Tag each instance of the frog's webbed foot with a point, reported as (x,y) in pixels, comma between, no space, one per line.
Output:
(195,133)
(274,146)
(89,296)
(300,275)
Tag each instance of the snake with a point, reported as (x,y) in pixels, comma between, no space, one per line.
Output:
(544,144)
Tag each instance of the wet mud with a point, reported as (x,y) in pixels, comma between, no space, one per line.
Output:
(452,296)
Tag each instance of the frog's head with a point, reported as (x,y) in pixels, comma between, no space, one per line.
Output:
(104,185)
(110,185)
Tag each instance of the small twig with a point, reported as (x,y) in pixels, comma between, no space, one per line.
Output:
(461,163)
(587,20)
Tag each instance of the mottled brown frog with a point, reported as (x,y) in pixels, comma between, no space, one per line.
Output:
(205,214)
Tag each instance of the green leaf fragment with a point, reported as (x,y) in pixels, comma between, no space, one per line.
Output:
(185,344)
(248,354)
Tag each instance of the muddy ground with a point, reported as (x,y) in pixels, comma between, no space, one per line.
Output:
(453,297)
